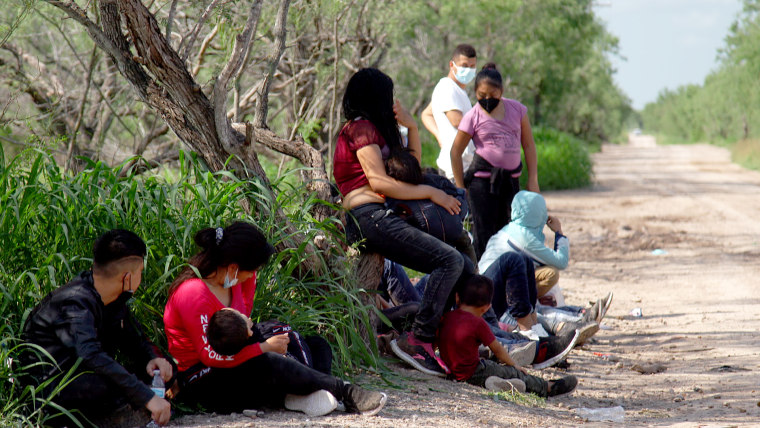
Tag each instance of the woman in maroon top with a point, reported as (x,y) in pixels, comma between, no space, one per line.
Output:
(369,135)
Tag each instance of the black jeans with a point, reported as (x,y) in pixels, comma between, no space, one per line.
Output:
(490,211)
(388,235)
(262,381)
(514,284)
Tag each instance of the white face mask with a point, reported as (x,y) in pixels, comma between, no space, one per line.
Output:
(230,282)
(464,74)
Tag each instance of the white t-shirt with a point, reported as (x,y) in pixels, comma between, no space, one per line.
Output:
(448,96)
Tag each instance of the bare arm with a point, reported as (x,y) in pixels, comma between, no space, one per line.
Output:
(529,148)
(371,161)
(501,353)
(454,117)
(429,121)
(457,167)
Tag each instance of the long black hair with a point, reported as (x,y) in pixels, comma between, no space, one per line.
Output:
(490,75)
(369,95)
(240,243)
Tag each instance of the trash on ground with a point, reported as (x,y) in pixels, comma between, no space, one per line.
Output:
(659,252)
(636,312)
(612,414)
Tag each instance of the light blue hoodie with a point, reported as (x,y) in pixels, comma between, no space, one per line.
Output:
(525,233)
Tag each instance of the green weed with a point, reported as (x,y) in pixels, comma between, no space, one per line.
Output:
(50,219)
(529,400)
(563,161)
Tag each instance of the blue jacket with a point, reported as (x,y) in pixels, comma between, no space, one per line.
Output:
(525,233)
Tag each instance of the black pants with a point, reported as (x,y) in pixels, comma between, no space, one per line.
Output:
(397,240)
(262,381)
(490,211)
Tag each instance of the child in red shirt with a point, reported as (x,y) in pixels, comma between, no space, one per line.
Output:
(463,330)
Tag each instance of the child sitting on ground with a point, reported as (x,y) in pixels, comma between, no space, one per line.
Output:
(463,330)
(425,214)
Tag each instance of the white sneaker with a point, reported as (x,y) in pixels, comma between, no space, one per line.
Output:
(495,383)
(523,353)
(318,403)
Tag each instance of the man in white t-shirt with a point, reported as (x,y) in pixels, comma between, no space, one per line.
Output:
(449,103)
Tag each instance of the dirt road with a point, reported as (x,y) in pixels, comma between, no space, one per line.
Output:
(700,298)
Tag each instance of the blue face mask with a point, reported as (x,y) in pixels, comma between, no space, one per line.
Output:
(230,282)
(464,74)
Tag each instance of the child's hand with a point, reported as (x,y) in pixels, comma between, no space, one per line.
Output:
(278,344)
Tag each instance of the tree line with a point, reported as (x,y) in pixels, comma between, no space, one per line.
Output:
(726,107)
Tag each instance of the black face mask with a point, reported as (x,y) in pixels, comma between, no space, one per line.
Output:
(489,104)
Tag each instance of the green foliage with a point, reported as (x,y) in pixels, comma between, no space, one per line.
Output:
(726,107)
(563,161)
(49,220)
(529,400)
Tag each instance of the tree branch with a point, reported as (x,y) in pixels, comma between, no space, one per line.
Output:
(280,32)
(184,50)
(233,66)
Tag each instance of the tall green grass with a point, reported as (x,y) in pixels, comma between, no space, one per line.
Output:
(50,219)
(563,161)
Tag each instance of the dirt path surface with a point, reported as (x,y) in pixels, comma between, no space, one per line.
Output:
(699,297)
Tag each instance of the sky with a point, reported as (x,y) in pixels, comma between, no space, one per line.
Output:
(665,43)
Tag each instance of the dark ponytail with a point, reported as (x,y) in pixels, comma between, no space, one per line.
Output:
(240,243)
(490,75)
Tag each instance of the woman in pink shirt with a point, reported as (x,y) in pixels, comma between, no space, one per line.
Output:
(499,127)
(260,374)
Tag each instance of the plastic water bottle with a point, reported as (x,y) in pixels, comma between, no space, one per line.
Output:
(158,384)
(612,414)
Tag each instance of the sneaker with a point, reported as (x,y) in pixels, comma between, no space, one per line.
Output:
(318,403)
(554,349)
(359,400)
(563,386)
(419,355)
(497,384)
(587,330)
(605,307)
(523,353)
(592,313)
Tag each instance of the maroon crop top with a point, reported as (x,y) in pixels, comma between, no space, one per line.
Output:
(347,170)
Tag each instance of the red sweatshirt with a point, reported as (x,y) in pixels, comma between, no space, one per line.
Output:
(186,318)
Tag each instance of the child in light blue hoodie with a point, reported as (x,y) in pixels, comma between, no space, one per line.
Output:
(525,234)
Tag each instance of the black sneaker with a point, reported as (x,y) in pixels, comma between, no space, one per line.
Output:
(554,349)
(359,400)
(419,355)
(563,386)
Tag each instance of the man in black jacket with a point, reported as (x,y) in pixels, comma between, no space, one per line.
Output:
(88,319)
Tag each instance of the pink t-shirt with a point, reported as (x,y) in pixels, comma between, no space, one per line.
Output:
(497,141)
(186,317)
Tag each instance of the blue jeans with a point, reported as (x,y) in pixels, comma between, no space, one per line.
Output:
(396,284)
(390,236)
(514,282)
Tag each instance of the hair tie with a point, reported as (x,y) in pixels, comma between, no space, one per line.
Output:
(219,235)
